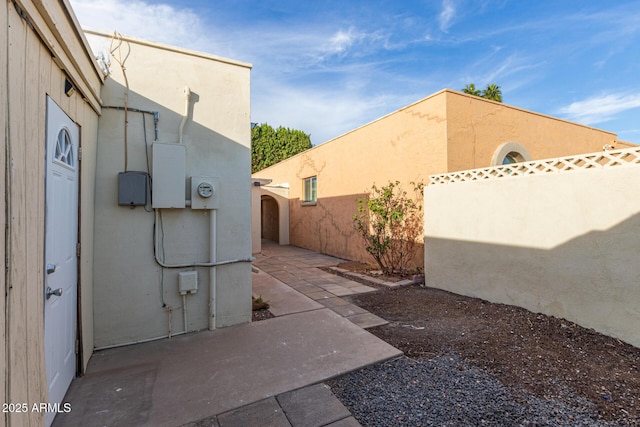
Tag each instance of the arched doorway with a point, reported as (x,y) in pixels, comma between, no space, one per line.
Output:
(270,228)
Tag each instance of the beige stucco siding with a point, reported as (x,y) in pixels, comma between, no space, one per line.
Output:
(136,299)
(444,132)
(477,127)
(89,142)
(406,146)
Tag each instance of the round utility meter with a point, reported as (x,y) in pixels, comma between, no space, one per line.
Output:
(205,189)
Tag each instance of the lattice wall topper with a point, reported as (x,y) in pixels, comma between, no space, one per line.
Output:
(625,157)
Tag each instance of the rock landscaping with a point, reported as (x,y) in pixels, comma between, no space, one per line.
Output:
(471,362)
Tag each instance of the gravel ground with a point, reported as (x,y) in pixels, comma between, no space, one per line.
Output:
(446,391)
(532,369)
(263,314)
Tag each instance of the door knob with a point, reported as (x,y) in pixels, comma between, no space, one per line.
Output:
(56,292)
(51,268)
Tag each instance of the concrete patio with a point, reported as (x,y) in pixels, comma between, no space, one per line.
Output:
(263,373)
(289,279)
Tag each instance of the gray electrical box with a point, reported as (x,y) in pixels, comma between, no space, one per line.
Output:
(132,188)
(188,282)
(169,175)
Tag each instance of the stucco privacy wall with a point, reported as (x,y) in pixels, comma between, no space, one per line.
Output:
(136,299)
(444,132)
(564,243)
(41,46)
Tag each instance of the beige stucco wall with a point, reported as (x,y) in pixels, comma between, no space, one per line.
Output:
(347,167)
(135,299)
(444,132)
(564,244)
(89,143)
(477,127)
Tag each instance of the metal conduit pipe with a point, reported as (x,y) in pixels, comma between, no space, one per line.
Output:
(212,273)
(194,264)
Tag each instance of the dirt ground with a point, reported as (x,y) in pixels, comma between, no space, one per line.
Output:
(540,354)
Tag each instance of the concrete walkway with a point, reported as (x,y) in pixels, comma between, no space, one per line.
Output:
(290,281)
(263,373)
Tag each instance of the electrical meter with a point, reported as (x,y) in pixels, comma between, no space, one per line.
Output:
(205,189)
(205,192)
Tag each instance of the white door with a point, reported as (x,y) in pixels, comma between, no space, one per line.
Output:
(61,231)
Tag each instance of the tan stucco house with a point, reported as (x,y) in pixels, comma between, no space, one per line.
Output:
(445,132)
(190,127)
(126,204)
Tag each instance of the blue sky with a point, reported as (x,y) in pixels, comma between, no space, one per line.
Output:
(327,67)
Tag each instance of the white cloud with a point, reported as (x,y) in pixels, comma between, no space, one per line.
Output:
(447,15)
(290,63)
(598,109)
(323,112)
(341,41)
(509,72)
(352,42)
(151,21)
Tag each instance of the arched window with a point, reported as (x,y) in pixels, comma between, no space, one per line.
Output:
(64,149)
(509,153)
(512,157)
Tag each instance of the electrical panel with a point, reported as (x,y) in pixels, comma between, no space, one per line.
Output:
(168,175)
(205,192)
(132,188)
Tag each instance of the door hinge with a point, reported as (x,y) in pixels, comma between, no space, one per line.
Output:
(78,250)
(77,346)
(79,153)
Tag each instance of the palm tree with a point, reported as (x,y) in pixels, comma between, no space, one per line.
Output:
(471,90)
(492,92)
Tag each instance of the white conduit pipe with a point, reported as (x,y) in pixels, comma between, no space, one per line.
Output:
(212,273)
(124,344)
(184,313)
(187,94)
(212,264)
(194,264)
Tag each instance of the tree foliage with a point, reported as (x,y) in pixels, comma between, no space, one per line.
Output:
(471,90)
(492,91)
(390,223)
(269,146)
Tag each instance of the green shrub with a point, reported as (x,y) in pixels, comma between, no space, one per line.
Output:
(390,223)
(258,304)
